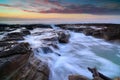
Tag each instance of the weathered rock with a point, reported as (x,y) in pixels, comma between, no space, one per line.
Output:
(21,48)
(46,50)
(98,78)
(12,59)
(106,31)
(77,77)
(25,32)
(7,43)
(13,36)
(97,75)
(118,78)
(111,35)
(63,37)
(35,69)
(88,31)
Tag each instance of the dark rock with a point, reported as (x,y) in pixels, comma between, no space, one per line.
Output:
(97,75)
(98,78)
(63,37)
(13,36)
(35,69)
(50,39)
(88,31)
(111,35)
(97,33)
(21,48)
(77,77)
(33,26)
(118,78)
(7,43)
(46,50)
(110,32)
(25,32)
(12,59)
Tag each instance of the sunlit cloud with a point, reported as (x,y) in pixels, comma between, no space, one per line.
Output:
(65,6)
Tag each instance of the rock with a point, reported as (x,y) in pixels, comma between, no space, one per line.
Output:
(88,31)
(7,43)
(109,32)
(118,78)
(98,78)
(35,69)
(97,75)
(13,36)
(25,32)
(77,77)
(46,50)
(21,48)
(111,35)
(33,26)
(19,63)
(12,59)
(63,37)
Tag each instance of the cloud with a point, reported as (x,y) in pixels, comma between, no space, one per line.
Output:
(65,6)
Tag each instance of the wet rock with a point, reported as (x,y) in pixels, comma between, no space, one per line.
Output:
(7,43)
(13,36)
(88,31)
(97,33)
(77,77)
(111,35)
(19,63)
(25,32)
(118,78)
(97,75)
(12,59)
(21,48)
(46,50)
(50,38)
(35,69)
(98,78)
(108,32)
(33,26)
(63,37)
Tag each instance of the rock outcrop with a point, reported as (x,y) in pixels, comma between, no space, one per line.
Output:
(13,36)
(12,58)
(34,69)
(106,31)
(77,77)
(17,60)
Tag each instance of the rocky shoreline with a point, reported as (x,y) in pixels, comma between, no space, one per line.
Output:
(109,32)
(17,59)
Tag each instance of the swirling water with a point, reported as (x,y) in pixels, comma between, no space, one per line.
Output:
(81,52)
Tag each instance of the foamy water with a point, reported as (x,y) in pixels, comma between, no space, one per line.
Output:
(81,52)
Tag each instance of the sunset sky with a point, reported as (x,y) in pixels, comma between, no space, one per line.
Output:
(77,10)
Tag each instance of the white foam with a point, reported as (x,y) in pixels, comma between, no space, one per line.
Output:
(75,57)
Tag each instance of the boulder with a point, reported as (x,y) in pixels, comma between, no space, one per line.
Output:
(63,37)
(77,77)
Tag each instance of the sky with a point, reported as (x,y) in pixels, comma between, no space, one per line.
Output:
(61,10)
